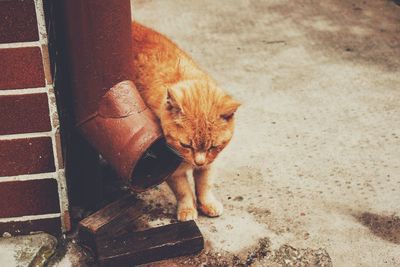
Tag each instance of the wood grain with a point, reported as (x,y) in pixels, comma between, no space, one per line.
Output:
(151,245)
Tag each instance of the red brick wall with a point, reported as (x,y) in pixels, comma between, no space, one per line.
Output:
(32,182)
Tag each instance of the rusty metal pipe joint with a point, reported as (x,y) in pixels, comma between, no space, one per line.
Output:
(109,110)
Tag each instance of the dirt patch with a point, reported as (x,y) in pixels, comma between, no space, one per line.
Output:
(210,258)
(386,227)
(261,252)
(260,255)
(290,256)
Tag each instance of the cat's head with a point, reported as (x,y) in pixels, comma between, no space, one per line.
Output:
(198,120)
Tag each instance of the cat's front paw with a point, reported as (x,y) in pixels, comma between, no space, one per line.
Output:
(186,212)
(212,208)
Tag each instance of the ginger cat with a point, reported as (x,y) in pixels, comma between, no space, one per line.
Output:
(196,115)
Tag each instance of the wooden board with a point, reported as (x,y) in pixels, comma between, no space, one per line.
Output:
(154,244)
(112,220)
(99,221)
(108,233)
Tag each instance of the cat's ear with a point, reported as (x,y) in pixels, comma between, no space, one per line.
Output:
(229,108)
(173,104)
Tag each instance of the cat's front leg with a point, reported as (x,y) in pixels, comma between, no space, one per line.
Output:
(207,202)
(179,184)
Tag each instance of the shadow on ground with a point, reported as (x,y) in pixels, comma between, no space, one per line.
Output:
(364,32)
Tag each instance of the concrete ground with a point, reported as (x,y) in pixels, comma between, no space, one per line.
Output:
(22,251)
(313,173)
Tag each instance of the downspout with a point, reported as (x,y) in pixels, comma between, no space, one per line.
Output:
(108,109)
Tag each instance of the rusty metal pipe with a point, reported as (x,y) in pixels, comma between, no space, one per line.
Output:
(108,109)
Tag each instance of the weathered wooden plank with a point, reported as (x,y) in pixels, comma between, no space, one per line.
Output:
(111,220)
(150,245)
(98,221)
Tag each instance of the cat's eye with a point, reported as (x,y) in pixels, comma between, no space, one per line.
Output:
(185,145)
(212,148)
(227,117)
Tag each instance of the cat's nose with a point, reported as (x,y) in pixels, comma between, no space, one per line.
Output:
(200,158)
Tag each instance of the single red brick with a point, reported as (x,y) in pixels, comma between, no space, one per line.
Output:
(24,114)
(31,197)
(26,156)
(51,226)
(18,21)
(21,68)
